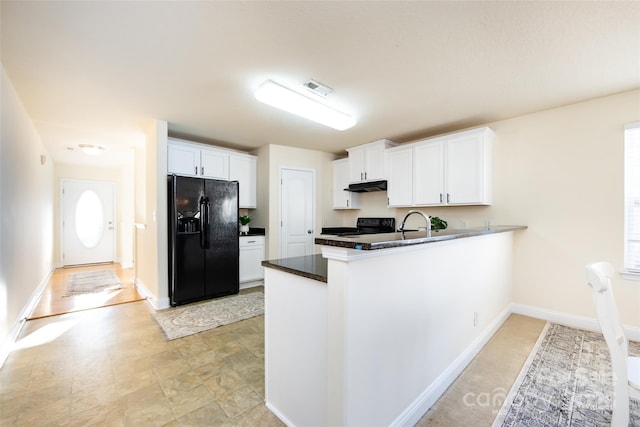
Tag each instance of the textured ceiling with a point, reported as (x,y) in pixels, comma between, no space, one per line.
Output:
(96,72)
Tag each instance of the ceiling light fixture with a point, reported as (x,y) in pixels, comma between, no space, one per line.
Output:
(278,96)
(92,150)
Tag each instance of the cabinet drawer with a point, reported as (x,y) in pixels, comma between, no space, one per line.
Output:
(251,241)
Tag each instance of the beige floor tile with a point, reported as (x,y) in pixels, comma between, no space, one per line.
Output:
(108,416)
(153,414)
(208,415)
(258,416)
(135,381)
(227,381)
(190,400)
(182,382)
(239,401)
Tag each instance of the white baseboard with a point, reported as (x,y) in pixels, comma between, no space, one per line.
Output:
(412,414)
(12,336)
(253,284)
(156,303)
(575,321)
(278,414)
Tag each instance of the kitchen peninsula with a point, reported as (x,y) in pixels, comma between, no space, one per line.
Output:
(376,334)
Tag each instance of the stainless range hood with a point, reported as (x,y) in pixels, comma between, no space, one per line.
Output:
(366,187)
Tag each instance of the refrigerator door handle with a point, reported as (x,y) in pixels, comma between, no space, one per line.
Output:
(205,227)
(203,241)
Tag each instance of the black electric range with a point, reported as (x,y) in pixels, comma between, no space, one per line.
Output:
(364,226)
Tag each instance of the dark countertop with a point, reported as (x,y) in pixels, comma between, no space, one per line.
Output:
(311,266)
(369,242)
(254,231)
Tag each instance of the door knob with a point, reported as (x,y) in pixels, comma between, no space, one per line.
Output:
(309,231)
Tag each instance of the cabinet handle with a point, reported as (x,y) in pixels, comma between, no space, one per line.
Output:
(347,203)
(448,197)
(201,170)
(196,170)
(365,176)
(440,197)
(361,176)
(251,241)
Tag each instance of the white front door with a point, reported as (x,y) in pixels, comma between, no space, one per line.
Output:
(297,196)
(88,227)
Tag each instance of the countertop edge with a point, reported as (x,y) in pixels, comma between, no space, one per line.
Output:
(291,270)
(354,243)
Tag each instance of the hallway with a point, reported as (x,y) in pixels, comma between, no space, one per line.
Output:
(55,301)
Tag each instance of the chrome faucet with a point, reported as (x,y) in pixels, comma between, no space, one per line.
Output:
(426,218)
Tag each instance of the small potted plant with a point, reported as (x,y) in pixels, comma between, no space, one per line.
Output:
(244,224)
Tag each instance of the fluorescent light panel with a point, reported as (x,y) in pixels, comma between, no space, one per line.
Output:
(91,150)
(278,96)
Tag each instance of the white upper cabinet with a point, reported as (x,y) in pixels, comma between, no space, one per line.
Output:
(214,164)
(428,178)
(367,161)
(343,199)
(183,159)
(242,168)
(400,176)
(444,171)
(467,176)
(197,160)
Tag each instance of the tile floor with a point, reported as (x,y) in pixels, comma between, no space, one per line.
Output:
(112,367)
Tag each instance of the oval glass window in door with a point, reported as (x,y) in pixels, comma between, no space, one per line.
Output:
(89,219)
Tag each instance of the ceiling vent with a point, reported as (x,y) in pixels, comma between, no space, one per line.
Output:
(317,88)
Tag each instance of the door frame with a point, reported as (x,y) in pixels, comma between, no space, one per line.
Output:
(313,197)
(61,222)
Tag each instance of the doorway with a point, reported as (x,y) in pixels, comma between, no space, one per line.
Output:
(88,225)
(297,212)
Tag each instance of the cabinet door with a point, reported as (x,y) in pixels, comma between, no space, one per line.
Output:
(343,199)
(214,164)
(428,175)
(374,162)
(183,160)
(356,164)
(242,168)
(464,169)
(251,263)
(400,177)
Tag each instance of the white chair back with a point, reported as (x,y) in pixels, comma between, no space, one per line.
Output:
(599,277)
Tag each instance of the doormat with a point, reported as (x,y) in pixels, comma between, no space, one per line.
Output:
(91,282)
(566,381)
(179,322)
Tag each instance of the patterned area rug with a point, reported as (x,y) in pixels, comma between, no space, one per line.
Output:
(182,321)
(91,282)
(565,382)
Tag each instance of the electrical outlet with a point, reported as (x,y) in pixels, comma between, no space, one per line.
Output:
(475,319)
(463,224)
(488,224)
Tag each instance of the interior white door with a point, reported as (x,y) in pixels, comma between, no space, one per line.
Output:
(297,212)
(88,226)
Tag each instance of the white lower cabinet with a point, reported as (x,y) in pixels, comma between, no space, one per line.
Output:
(251,257)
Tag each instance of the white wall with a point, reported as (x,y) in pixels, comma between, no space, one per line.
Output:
(151,238)
(560,172)
(26,210)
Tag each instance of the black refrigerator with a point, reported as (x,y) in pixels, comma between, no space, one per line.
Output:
(203,239)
